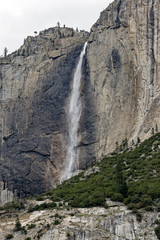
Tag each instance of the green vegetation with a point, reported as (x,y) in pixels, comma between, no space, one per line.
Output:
(56,222)
(48,225)
(57,216)
(157,231)
(39,198)
(9,236)
(30,226)
(68,234)
(13,206)
(18,227)
(42,207)
(131,176)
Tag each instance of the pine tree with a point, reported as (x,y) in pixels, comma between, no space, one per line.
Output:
(5,51)
(121,182)
(18,226)
(117,147)
(138,140)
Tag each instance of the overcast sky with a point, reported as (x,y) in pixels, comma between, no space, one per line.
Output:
(20,18)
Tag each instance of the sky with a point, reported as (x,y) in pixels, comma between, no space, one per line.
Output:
(21,18)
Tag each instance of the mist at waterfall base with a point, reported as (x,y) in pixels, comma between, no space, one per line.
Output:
(73,110)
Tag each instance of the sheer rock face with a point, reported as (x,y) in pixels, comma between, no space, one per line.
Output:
(123,59)
(34,87)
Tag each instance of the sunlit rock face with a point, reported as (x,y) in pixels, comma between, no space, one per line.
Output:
(35,83)
(123,61)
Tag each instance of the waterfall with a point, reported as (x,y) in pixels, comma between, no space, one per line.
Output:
(74,109)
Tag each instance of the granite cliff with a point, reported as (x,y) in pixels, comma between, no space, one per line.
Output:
(35,84)
(123,63)
(119,90)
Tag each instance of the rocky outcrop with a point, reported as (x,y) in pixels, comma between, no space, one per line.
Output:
(35,82)
(123,62)
(115,223)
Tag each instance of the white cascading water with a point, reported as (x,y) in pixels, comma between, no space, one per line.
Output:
(74,112)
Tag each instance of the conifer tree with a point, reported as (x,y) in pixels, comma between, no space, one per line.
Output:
(121,182)
(5,51)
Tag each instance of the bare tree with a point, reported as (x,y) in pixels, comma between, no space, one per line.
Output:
(58,24)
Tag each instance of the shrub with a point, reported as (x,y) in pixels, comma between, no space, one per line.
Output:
(135,198)
(42,206)
(127,200)
(56,222)
(146,201)
(18,226)
(148,208)
(9,236)
(23,230)
(157,221)
(39,198)
(48,226)
(71,214)
(132,206)
(138,215)
(158,207)
(106,205)
(68,234)
(157,231)
(30,209)
(27,238)
(117,197)
(32,225)
(55,198)
(14,205)
(97,198)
